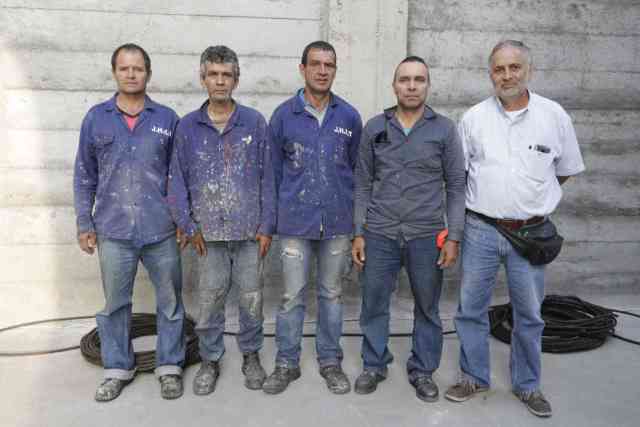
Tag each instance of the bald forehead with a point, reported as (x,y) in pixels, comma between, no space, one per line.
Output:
(411,68)
(509,52)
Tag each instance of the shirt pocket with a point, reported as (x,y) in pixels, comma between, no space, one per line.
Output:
(104,145)
(536,164)
(430,156)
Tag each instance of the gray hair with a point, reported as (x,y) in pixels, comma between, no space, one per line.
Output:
(219,55)
(515,44)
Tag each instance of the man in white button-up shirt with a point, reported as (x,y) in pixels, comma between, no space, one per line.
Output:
(519,149)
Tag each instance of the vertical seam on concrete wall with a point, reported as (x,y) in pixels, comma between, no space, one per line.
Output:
(324,20)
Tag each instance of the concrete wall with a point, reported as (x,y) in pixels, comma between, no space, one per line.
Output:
(587,57)
(55,65)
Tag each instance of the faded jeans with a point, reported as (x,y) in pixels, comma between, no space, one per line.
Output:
(118,266)
(384,258)
(483,250)
(232,263)
(333,262)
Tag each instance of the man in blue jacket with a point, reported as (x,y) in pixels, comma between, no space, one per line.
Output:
(315,142)
(222,196)
(120,189)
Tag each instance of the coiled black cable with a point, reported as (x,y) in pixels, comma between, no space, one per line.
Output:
(571,324)
(142,325)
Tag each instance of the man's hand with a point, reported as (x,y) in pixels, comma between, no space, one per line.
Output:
(448,254)
(182,239)
(197,241)
(357,252)
(265,243)
(87,242)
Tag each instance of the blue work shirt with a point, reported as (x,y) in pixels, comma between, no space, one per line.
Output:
(314,166)
(120,177)
(222,184)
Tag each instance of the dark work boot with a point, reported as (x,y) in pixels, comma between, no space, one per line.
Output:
(254,374)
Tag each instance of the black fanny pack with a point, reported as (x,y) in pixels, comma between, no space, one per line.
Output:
(540,243)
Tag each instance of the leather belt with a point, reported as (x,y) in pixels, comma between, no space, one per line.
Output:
(511,224)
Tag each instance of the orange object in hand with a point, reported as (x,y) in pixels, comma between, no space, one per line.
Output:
(442,237)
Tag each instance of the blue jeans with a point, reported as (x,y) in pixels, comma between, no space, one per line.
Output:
(333,261)
(234,263)
(384,258)
(118,266)
(483,250)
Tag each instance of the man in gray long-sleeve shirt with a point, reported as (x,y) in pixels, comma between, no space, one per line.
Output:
(405,155)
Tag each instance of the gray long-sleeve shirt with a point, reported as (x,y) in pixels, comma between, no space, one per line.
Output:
(399,178)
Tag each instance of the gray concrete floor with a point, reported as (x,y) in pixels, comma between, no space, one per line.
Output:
(595,388)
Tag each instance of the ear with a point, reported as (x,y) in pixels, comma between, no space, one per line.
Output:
(149,76)
(301,68)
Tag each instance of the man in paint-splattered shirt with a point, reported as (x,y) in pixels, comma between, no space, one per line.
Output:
(221,193)
(120,189)
(315,143)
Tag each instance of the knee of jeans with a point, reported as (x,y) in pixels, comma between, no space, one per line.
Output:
(114,305)
(251,303)
(212,299)
(290,301)
(331,291)
(291,252)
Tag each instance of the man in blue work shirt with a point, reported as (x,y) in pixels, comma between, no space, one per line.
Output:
(315,142)
(120,189)
(406,155)
(222,196)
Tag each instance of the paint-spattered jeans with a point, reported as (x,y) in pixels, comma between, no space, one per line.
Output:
(483,250)
(118,266)
(333,261)
(234,263)
(384,258)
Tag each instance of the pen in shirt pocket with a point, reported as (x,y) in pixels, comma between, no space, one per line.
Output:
(541,148)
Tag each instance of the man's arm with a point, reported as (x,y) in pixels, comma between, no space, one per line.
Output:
(85,183)
(362,196)
(267,188)
(356,137)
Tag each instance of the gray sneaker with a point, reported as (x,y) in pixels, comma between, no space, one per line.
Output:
(206,378)
(254,374)
(535,403)
(464,390)
(171,386)
(337,381)
(110,388)
(278,381)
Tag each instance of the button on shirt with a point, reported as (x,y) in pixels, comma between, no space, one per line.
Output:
(120,176)
(399,178)
(222,184)
(512,163)
(313,164)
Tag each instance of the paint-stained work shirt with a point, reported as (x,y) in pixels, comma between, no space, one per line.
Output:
(120,177)
(222,184)
(513,162)
(399,178)
(313,167)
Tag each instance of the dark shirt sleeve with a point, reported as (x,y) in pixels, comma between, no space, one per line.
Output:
(267,180)
(85,178)
(455,181)
(355,140)
(363,183)
(178,192)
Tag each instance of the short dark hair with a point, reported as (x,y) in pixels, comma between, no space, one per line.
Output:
(131,47)
(413,58)
(220,55)
(318,44)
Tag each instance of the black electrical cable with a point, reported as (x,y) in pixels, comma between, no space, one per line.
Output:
(571,324)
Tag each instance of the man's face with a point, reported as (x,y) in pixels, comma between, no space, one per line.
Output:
(411,85)
(510,73)
(130,74)
(320,71)
(219,81)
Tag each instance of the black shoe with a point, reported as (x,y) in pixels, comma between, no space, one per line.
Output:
(368,381)
(278,381)
(337,381)
(206,378)
(171,386)
(254,374)
(535,403)
(426,389)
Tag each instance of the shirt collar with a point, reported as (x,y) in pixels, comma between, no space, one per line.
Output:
(428,114)
(112,105)
(234,120)
(501,109)
(301,101)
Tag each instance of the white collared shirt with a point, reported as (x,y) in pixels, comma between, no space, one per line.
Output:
(512,162)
